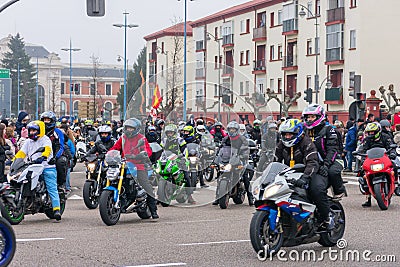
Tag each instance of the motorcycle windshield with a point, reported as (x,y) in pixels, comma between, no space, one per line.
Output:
(193,149)
(272,170)
(81,145)
(113,157)
(376,153)
(225,154)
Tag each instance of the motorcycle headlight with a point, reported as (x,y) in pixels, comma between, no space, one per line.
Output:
(112,174)
(271,190)
(377,167)
(192,160)
(228,167)
(91,167)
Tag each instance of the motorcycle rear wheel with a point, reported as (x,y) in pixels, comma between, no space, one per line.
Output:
(91,201)
(9,244)
(329,239)
(381,194)
(263,243)
(108,213)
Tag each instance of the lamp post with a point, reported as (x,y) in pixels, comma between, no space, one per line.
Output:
(218,40)
(37,89)
(302,13)
(158,51)
(125,26)
(18,70)
(70,49)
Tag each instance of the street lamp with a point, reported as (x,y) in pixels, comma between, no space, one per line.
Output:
(125,26)
(70,49)
(160,51)
(184,62)
(18,70)
(302,14)
(218,40)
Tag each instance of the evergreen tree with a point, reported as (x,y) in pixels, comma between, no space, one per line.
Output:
(17,54)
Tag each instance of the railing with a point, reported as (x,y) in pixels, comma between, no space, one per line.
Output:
(199,73)
(333,54)
(200,45)
(227,39)
(290,25)
(334,94)
(289,61)
(259,64)
(259,33)
(335,14)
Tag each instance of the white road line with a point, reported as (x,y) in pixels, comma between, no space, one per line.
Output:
(198,221)
(75,197)
(160,265)
(212,243)
(38,239)
(352,183)
(78,172)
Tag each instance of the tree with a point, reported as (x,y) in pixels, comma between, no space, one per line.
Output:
(257,100)
(391,94)
(93,87)
(17,54)
(286,104)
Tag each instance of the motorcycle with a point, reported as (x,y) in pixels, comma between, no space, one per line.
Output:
(172,184)
(95,180)
(8,242)
(377,176)
(230,182)
(193,156)
(80,150)
(122,193)
(284,214)
(27,193)
(156,150)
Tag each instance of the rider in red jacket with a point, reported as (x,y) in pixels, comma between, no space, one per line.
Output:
(135,148)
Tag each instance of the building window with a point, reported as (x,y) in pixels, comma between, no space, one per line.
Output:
(108,89)
(279,17)
(241,89)
(215,62)
(63,108)
(272,84)
(220,61)
(334,47)
(353,39)
(247,57)
(216,32)
(309,47)
(271,53)
(279,85)
(62,88)
(241,58)
(333,4)
(318,7)
(351,82)
(248,26)
(309,6)
(353,3)
(215,89)
(76,108)
(92,89)
(272,18)
(317,45)
(308,82)
(242,26)
(247,90)
(162,47)
(279,52)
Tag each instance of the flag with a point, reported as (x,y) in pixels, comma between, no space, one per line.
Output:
(141,93)
(157,98)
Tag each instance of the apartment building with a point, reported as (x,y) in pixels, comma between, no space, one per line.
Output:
(165,57)
(289,46)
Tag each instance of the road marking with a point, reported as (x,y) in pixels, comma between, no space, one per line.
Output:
(160,264)
(78,172)
(38,239)
(198,221)
(352,183)
(212,243)
(75,197)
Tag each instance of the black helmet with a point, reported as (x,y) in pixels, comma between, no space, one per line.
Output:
(50,125)
(132,123)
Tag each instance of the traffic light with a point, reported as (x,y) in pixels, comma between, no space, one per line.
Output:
(226,96)
(95,8)
(355,83)
(308,95)
(76,88)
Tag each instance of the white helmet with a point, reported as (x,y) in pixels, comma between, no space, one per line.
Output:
(201,129)
(242,129)
(104,129)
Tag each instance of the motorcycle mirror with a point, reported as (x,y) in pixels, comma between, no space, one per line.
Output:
(393,146)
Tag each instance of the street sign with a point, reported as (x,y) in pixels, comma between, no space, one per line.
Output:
(5,97)
(4,73)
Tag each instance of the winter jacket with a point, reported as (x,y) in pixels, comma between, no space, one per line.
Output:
(351,139)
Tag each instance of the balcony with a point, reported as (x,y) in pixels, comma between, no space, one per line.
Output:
(290,27)
(227,40)
(152,56)
(334,15)
(334,96)
(289,62)
(259,34)
(200,74)
(259,66)
(200,45)
(227,71)
(334,56)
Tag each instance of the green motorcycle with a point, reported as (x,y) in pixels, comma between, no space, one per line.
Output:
(172,183)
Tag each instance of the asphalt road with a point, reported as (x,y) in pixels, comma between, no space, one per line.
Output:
(194,236)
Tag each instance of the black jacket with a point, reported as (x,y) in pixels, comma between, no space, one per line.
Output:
(385,141)
(98,148)
(239,147)
(304,152)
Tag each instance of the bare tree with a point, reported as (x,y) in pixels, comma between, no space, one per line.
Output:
(257,101)
(95,71)
(390,94)
(286,104)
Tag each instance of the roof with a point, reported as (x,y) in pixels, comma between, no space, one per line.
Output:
(36,51)
(88,72)
(174,30)
(234,11)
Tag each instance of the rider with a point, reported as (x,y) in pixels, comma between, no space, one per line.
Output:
(38,139)
(130,147)
(243,131)
(374,137)
(269,140)
(296,147)
(172,142)
(105,143)
(218,132)
(386,128)
(327,139)
(239,155)
(256,132)
(151,135)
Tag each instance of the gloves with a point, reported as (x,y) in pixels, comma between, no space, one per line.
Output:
(323,170)
(39,160)
(302,182)
(392,156)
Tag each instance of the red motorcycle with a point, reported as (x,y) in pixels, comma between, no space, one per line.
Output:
(377,176)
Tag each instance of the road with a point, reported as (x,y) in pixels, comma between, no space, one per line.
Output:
(197,236)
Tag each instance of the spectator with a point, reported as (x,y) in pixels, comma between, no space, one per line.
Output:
(349,123)
(397,135)
(23,120)
(3,148)
(351,144)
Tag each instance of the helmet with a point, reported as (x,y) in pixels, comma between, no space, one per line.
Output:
(105,129)
(242,129)
(171,128)
(258,122)
(318,111)
(132,123)
(373,131)
(218,124)
(190,135)
(77,128)
(199,122)
(181,124)
(159,122)
(233,128)
(384,123)
(88,122)
(151,130)
(49,115)
(39,127)
(293,126)
(201,129)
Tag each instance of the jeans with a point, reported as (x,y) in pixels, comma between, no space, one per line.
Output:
(349,158)
(50,178)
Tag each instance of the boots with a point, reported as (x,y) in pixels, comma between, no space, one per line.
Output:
(191,200)
(250,199)
(367,204)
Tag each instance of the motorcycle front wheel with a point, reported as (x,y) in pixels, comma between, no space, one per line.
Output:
(209,174)
(264,241)
(13,215)
(381,191)
(108,212)
(89,189)
(8,243)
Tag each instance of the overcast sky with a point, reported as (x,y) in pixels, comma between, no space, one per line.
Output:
(52,23)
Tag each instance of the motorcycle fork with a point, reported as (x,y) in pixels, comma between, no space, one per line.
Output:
(98,180)
(119,187)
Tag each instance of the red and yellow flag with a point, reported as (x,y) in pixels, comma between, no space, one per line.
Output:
(157,98)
